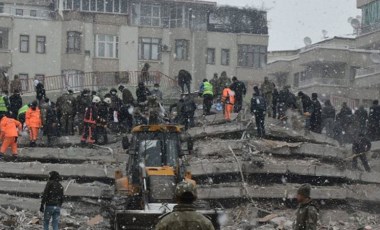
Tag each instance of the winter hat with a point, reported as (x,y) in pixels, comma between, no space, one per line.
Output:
(256,89)
(304,190)
(314,95)
(54,175)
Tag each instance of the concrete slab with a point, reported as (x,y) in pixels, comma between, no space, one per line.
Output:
(217,130)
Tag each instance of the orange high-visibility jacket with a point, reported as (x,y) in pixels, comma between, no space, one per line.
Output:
(33,118)
(9,127)
(228,96)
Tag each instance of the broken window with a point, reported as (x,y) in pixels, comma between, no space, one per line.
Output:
(210,56)
(181,49)
(149,48)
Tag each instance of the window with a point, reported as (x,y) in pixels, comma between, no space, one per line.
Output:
(100,5)
(41,44)
(150,15)
(19,12)
(252,56)
(176,16)
(149,49)
(225,57)
(24,78)
(371,13)
(181,49)
(24,43)
(1,7)
(3,38)
(33,13)
(73,42)
(106,46)
(210,56)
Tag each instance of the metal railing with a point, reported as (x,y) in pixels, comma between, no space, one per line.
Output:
(98,80)
(371,70)
(323,81)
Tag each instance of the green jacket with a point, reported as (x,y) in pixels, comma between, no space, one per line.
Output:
(184,217)
(3,104)
(208,88)
(307,217)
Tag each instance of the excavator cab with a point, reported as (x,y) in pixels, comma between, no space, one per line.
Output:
(155,167)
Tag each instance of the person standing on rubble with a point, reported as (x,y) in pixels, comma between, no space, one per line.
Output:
(360,147)
(307,213)
(267,92)
(127,96)
(374,121)
(15,103)
(10,129)
(142,93)
(52,199)
(82,102)
(207,92)
(184,215)
(66,106)
(91,116)
(240,91)
(228,100)
(258,109)
(316,114)
(307,110)
(157,92)
(33,122)
(188,110)
(328,118)
(214,83)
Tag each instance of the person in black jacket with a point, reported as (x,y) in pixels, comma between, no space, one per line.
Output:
(275,98)
(374,121)
(240,90)
(361,117)
(142,93)
(258,109)
(316,114)
(286,100)
(360,146)
(188,110)
(307,109)
(40,91)
(328,118)
(51,122)
(15,102)
(52,200)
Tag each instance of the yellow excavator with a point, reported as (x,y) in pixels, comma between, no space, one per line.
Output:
(155,166)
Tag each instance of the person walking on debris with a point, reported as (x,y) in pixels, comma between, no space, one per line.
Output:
(307,109)
(360,147)
(157,92)
(52,199)
(82,102)
(258,109)
(345,121)
(275,97)
(214,83)
(66,107)
(127,96)
(10,129)
(184,215)
(374,121)
(361,118)
(307,213)
(33,122)
(223,80)
(207,92)
(51,123)
(316,114)
(15,102)
(187,112)
(328,118)
(286,100)
(40,91)
(267,91)
(240,91)
(90,119)
(228,99)
(21,113)
(178,119)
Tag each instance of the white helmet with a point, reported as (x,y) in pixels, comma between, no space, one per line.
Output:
(107,100)
(96,99)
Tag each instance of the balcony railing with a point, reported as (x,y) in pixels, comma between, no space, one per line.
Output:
(323,81)
(364,72)
(370,28)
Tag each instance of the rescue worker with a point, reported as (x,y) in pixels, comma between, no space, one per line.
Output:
(82,102)
(4,104)
(127,96)
(307,213)
(286,100)
(267,91)
(155,111)
(21,113)
(157,92)
(90,119)
(207,92)
(275,98)
(228,100)
(360,147)
(328,118)
(374,121)
(52,199)
(114,108)
(145,77)
(15,102)
(142,93)
(184,215)
(105,113)
(187,112)
(16,84)
(361,117)
(345,121)
(178,105)
(307,109)
(316,114)
(223,80)
(51,123)
(126,118)
(10,129)
(258,109)
(40,91)
(240,90)
(33,122)
(66,106)
(214,83)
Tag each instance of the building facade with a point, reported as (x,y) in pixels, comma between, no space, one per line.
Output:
(45,38)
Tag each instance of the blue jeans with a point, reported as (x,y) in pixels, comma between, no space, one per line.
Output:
(51,212)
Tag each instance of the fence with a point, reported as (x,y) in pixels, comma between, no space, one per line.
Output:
(98,80)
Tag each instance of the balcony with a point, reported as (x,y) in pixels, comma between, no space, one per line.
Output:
(368,77)
(330,82)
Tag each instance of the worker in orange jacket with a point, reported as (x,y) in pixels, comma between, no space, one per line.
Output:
(33,122)
(10,129)
(228,99)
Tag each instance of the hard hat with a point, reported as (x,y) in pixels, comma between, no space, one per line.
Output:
(185,187)
(107,100)
(96,99)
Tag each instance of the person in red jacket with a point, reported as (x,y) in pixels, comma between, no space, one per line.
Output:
(10,129)
(33,122)
(228,99)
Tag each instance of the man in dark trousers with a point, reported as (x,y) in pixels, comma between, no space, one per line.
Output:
(240,90)
(258,108)
(360,146)
(361,117)
(52,200)
(307,212)
(316,114)
(142,93)
(188,110)
(15,102)
(207,92)
(184,79)
(328,118)
(307,109)
(374,121)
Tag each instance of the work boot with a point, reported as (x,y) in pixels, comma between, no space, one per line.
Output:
(31,144)
(15,157)
(1,156)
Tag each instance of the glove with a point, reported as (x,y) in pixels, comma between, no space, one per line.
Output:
(42,208)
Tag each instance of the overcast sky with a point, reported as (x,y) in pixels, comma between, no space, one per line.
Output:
(292,20)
